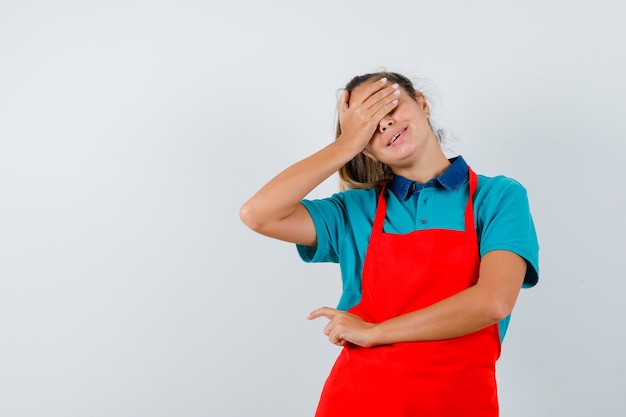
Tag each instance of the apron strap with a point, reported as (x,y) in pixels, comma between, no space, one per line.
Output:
(469,208)
(381,211)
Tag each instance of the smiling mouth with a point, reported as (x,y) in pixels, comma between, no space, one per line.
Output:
(396,136)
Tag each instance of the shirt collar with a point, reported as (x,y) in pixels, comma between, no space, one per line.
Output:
(452,179)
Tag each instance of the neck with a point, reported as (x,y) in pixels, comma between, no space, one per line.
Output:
(430,163)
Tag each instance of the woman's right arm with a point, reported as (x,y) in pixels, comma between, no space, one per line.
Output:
(275,210)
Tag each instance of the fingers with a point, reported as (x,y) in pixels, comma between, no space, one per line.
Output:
(375,95)
(331,329)
(369,95)
(327,312)
(345,327)
(333,332)
(383,102)
(360,95)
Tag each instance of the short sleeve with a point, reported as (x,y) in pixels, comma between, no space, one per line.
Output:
(330,220)
(504,222)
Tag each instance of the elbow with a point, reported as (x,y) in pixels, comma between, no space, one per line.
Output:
(498,308)
(495,304)
(249,217)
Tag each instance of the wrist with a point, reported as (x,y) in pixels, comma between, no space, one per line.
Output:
(348,144)
(377,335)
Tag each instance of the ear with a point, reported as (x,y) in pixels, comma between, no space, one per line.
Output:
(421,100)
(369,155)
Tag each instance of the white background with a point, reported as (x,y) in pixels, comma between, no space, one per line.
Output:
(132,131)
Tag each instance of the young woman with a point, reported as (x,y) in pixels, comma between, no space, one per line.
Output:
(432,257)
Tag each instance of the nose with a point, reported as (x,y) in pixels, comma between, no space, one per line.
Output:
(384,124)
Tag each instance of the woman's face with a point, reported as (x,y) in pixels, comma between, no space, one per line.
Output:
(402,133)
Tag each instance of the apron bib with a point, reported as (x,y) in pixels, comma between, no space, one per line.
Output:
(403,273)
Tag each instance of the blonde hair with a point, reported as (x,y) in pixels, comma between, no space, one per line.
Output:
(361,171)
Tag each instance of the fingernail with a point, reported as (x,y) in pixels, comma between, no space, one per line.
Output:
(395,86)
(397,92)
(395,102)
(383,80)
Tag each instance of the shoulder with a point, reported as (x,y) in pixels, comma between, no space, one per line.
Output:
(360,198)
(500,197)
(344,204)
(498,192)
(498,184)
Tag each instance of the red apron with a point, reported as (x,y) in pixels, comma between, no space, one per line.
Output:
(446,378)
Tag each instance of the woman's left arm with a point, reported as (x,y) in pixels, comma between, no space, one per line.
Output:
(490,300)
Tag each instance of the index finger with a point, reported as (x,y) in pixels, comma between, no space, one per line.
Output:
(327,312)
